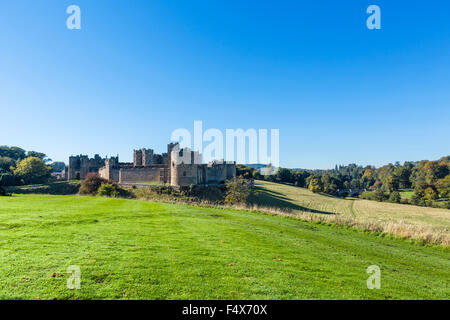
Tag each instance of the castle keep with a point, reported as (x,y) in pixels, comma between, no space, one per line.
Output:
(177,167)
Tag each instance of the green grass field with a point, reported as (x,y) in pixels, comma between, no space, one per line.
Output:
(130,249)
(406,193)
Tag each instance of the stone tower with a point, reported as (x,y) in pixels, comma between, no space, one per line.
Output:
(143,158)
(147,157)
(184,166)
(137,158)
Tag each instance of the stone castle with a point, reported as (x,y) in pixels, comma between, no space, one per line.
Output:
(178,167)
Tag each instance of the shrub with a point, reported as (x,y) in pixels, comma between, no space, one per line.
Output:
(108,190)
(404,201)
(417,200)
(377,195)
(366,195)
(153,192)
(238,191)
(92,183)
(429,203)
(430,194)
(446,205)
(395,197)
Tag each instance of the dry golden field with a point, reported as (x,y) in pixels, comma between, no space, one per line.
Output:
(429,224)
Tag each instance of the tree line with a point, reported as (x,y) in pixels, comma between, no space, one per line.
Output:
(428,181)
(18,166)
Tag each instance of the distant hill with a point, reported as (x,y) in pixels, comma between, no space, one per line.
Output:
(257,166)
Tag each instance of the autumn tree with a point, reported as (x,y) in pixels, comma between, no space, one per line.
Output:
(238,191)
(315,184)
(32,170)
(443,186)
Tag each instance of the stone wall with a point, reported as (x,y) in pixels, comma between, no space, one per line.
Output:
(142,174)
(230,170)
(215,174)
(110,173)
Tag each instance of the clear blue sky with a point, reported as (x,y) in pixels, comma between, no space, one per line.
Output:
(137,70)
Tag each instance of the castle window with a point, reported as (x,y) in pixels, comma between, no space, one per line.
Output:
(184,173)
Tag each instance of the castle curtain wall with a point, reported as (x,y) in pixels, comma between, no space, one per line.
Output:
(109,173)
(143,174)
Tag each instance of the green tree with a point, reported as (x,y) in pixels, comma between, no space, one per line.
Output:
(419,190)
(32,170)
(257,175)
(390,183)
(244,171)
(14,153)
(443,186)
(284,175)
(417,200)
(39,155)
(332,189)
(379,195)
(7,179)
(402,175)
(355,184)
(6,163)
(300,178)
(395,197)
(238,191)
(430,194)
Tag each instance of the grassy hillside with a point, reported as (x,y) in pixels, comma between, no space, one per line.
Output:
(56,188)
(299,199)
(363,211)
(129,249)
